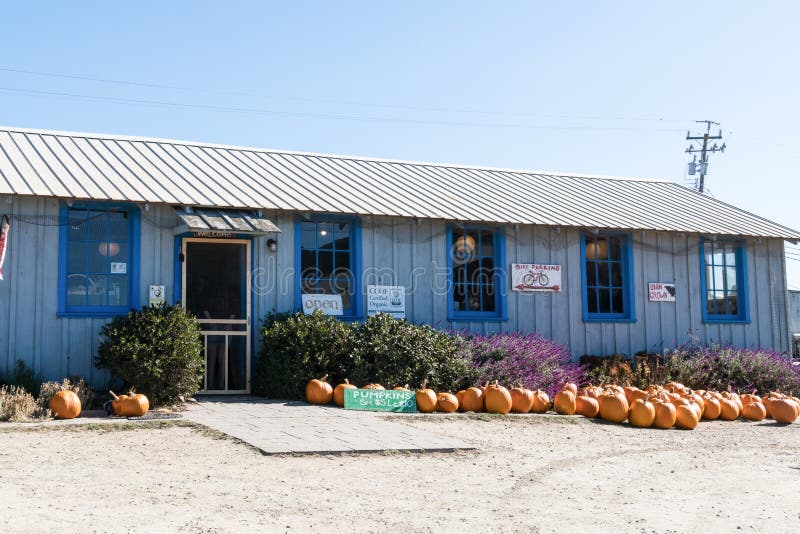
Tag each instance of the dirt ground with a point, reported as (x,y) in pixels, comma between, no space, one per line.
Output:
(533,473)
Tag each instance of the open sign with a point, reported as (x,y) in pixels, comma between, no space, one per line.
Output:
(327,304)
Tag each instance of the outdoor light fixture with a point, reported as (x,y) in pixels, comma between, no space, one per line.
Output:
(323,232)
(272,245)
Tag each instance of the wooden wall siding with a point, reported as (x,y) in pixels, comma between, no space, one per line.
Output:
(794,312)
(29,327)
(658,257)
(395,251)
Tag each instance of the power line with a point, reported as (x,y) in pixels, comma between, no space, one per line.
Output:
(152,85)
(333,116)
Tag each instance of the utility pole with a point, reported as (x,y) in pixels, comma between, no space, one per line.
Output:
(705,150)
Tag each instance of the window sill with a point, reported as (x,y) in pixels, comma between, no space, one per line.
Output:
(476,318)
(589,319)
(709,320)
(92,314)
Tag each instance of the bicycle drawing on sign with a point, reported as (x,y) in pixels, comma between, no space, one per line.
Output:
(535,277)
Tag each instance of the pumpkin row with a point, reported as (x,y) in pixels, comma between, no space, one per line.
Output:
(672,405)
(668,406)
(492,398)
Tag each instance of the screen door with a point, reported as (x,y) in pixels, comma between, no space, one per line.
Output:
(216,289)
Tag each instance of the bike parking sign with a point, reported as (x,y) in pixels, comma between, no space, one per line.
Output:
(535,277)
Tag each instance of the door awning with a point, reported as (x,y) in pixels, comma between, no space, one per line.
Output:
(221,222)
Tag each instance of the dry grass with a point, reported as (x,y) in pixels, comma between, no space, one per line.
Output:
(17,405)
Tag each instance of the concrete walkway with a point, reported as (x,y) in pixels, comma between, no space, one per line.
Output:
(281,427)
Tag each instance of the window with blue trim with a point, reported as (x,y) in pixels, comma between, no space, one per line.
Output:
(724,280)
(607,280)
(328,260)
(477,277)
(97,260)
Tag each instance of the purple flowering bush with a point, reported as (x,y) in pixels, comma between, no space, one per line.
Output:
(530,360)
(718,367)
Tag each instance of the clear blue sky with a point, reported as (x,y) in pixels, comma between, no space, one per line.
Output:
(603,88)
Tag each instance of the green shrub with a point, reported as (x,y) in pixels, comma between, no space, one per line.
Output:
(382,349)
(78,385)
(395,352)
(157,350)
(23,376)
(296,348)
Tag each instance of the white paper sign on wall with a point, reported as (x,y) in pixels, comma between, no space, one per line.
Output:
(156,296)
(661,292)
(535,277)
(386,299)
(327,304)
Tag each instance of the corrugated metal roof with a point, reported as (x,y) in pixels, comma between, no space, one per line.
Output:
(223,220)
(109,167)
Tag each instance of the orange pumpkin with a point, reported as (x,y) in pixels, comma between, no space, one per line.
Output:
(666,415)
(65,405)
(401,388)
(586,406)
(473,399)
(318,391)
(635,395)
(541,401)
(748,398)
(784,410)
(613,406)
(712,408)
(754,411)
(460,399)
(136,404)
(498,399)
(446,402)
(642,413)
(116,402)
(373,386)
(564,402)
(338,392)
(686,417)
(572,387)
(729,409)
(521,399)
(426,399)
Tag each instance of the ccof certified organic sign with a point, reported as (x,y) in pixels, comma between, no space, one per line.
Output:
(661,292)
(386,299)
(156,296)
(327,304)
(535,277)
(380,400)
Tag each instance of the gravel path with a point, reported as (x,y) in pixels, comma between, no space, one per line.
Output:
(532,473)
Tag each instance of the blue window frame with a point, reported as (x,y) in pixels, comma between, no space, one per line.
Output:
(98,273)
(328,260)
(476,261)
(607,278)
(723,275)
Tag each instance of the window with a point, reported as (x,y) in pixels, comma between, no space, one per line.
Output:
(477,284)
(607,278)
(328,260)
(98,260)
(724,281)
